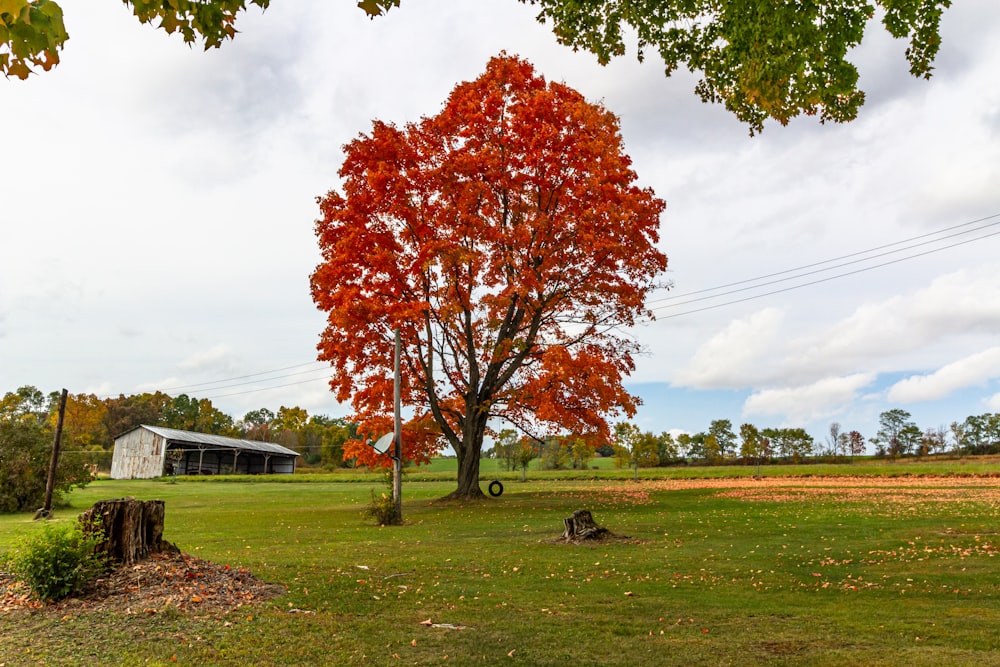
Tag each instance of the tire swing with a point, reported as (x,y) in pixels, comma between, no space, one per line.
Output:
(496,488)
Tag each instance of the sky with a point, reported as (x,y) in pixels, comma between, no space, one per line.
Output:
(158,205)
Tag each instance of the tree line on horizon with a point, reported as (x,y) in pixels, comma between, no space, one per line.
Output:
(28,420)
(897,436)
(92,423)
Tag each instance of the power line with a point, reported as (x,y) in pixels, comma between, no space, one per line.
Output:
(242,377)
(848,256)
(807,284)
(277,386)
(276,377)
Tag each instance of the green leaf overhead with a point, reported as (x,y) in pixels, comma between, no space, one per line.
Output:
(761,59)
(31,35)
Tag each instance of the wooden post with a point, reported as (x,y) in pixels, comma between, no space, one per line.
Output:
(50,483)
(397,462)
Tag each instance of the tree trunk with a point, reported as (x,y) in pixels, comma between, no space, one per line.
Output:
(468,462)
(468,479)
(131,529)
(581,526)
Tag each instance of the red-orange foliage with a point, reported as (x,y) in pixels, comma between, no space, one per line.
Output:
(506,238)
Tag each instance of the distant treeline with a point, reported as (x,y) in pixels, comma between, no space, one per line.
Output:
(91,424)
(720,444)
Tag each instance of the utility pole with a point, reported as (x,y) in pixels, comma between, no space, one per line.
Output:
(397,459)
(50,484)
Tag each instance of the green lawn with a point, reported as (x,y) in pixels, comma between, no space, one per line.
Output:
(884,570)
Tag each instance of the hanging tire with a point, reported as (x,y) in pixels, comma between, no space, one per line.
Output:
(496,488)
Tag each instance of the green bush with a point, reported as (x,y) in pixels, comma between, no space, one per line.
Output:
(382,508)
(25,452)
(57,561)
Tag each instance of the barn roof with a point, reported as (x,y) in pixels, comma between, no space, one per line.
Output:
(221,441)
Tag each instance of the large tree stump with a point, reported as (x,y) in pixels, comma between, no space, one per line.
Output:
(131,529)
(581,526)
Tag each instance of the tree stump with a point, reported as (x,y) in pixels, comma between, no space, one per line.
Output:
(581,526)
(131,529)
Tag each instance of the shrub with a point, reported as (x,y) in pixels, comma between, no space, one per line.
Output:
(58,561)
(382,507)
(25,451)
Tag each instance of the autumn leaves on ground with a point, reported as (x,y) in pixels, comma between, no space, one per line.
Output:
(783,570)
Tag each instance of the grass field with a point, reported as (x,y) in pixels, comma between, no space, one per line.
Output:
(882,569)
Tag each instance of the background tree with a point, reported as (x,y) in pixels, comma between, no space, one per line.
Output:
(799,442)
(256,425)
(25,451)
(855,443)
(981,433)
(909,439)
(896,433)
(722,430)
(752,444)
(713,452)
(581,451)
(124,413)
(932,441)
(505,447)
(957,430)
(635,448)
(527,450)
(85,433)
(647,450)
(508,243)
(286,430)
(790,443)
(762,59)
(833,439)
(667,449)
(324,438)
(26,402)
(626,439)
(692,445)
(554,453)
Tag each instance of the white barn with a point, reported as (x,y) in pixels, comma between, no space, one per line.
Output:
(153,451)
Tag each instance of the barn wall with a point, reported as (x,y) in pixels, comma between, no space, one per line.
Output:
(139,454)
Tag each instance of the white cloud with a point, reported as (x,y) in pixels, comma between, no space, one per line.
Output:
(888,335)
(798,405)
(976,369)
(732,357)
(913,329)
(994,403)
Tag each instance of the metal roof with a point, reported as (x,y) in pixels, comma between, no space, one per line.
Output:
(176,435)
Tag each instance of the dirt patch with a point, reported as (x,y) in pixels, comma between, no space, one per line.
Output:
(161,582)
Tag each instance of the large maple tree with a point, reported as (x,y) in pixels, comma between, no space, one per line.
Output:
(507,239)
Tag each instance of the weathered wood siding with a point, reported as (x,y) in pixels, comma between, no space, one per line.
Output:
(139,454)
